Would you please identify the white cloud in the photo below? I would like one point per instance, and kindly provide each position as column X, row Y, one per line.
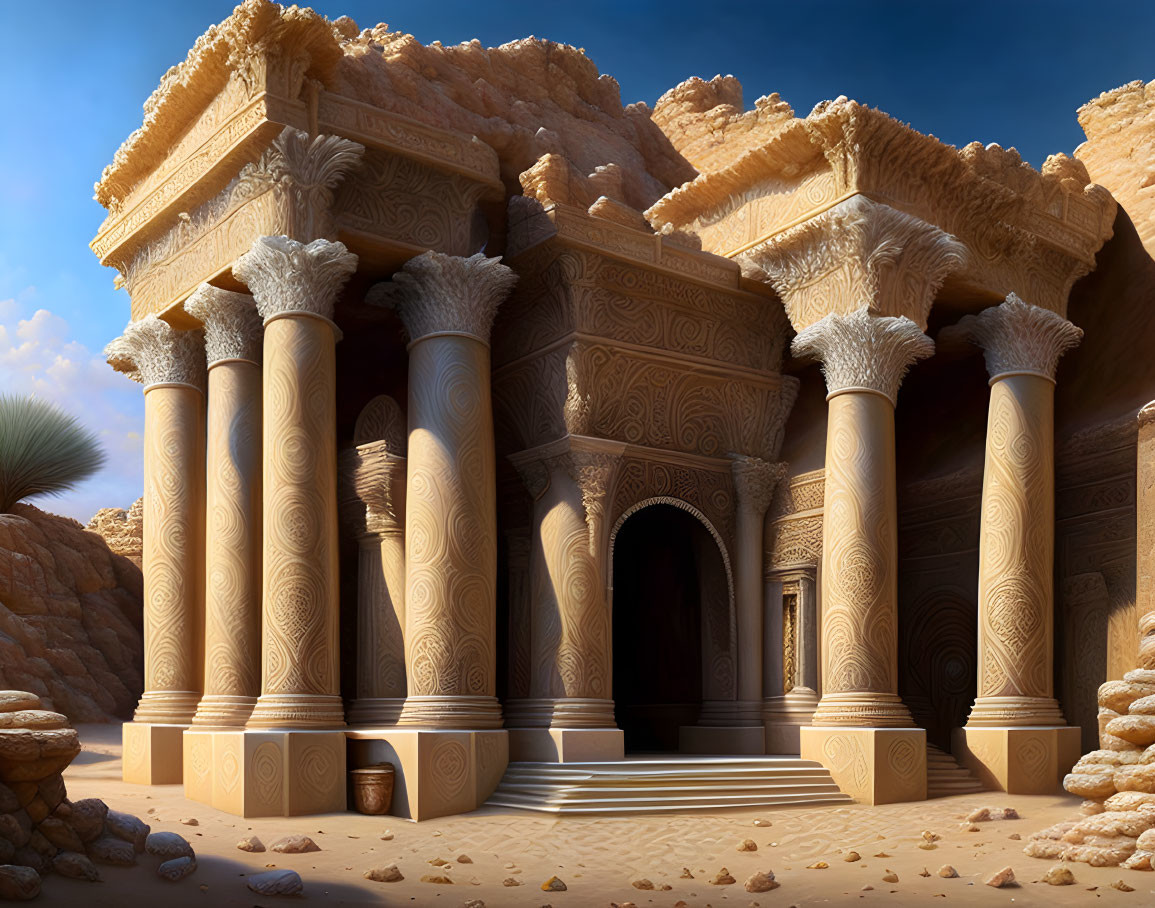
column 38, row 356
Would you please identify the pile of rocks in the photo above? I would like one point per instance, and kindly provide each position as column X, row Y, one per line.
column 1117, row 781
column 41, row 831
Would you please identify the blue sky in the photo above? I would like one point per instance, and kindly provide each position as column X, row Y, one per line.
column 75, row 75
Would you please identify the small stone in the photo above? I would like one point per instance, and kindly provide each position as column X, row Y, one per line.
column 18, row 884
column 389, row 874
column 1009, row 813
column 1122, row 887
column 929, row 836
column 474, row 903
column 817, row 865
column 510, row 881
column 387, row 836
column 642, row 884
column 852, row 856
column 747, row 845
column 190, row 821
column 1059, row 876
column 722, row 878
column 1004, row 877
column 665, row 887
column 686, row 875
column 111, row 850
column 438, row 862
column 177, row 869
column 763, row 823
column 867, row 888
column 968, row 827
column 979, row 815
column 168, row 845
column 761, row 882
column 1015, row 837
column 127, row 827
column 924, row 872
column 890, row 877
column 947, row 872
column 553, row 884
column 295, row 844
column 75, row 866
column 438, row 878
column 276, row 882
column 251, row 843
column 464, row 859
column 882, row 854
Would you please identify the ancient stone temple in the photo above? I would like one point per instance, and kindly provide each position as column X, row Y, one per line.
column 495, row 426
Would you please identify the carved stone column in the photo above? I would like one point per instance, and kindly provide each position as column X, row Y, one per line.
column 1022, row 345
column 295, row 286
column 233, row 337
column 792, row 606
column 170, row 364
column 569, row 715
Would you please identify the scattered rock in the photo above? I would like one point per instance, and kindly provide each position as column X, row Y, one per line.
column 251, row 843
column 190, row 821
column 747, row 845
column 75, row 867
column 1015, row 837
column 553, row 884
column 110, row 850
column 929, row 836
column 852, row 856
column 761, row 882
column 882, row 854
column 763, row 823
column 168, row 845
column 87, row 818
column 1122, row 887
column 1009, row 813
column 924, row 872
column 510, row 881
column 890, row 877
column 642, row 884
column 979, row 815
column 474, row 903
column 820, row 865
column 1059, row 876
column 177, row 869
column 438, row 862
column 968, row 827
column 127, row 827
column 276, row 882
column 867, row 888
column 1002, row 878
column 722, row 878
column 464, row 859
column 947, row 872
column 686, row 875
column 439, row 878
column 387, row 836
column 295, row 844
column 388, row 874
column 18, row 884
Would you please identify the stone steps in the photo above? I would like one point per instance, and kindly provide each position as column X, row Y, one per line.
column 945, row 776
column 668, row 784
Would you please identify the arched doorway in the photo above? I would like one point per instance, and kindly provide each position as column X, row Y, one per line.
column 672, row 629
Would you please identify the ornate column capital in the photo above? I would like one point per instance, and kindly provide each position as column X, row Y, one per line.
column 1017, row 337
column 152, row 352
column 232, row 326
column 859, row 351
column 287, row 276
column 445, row 294
column 754, row 481
column 858, row 253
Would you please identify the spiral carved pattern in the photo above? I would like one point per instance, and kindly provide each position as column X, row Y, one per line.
column 1016, row 548
column 173, row 534
column 233, row 507
column 299, row 590
column 381, row 617
column 450, row 521
column 859, row 547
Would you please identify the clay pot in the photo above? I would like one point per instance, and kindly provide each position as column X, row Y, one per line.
column 373, row 788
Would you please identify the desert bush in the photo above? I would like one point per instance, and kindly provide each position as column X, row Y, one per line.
column 43, row 450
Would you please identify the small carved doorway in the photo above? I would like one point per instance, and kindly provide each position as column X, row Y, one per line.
column 663, row 573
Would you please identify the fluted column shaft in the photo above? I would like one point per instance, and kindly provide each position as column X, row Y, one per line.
column 295, row 287
column 232, row 505
column 864, row 359
column 1022, row 344
column 447, row 305
column 170, row 364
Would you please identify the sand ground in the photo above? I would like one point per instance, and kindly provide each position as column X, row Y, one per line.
column 597, row 858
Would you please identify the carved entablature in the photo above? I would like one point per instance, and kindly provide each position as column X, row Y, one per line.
column 1024, row 230
column 794, row 528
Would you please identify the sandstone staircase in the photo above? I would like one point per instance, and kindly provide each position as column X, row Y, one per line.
column 946, row 776
column 665, row 783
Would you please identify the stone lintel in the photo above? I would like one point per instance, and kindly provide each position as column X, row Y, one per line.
column 1019, row 760
column 872, row 765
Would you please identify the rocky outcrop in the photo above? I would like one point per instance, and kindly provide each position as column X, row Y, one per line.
column 70, row 617
column 122, row 530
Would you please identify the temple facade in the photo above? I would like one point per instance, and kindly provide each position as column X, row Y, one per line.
column 490, row 422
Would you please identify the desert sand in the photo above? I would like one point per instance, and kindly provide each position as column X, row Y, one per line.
column 598, row 858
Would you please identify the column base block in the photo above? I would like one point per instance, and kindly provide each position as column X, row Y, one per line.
column 439, row 772
column 151, row 753
column 872, row 765
column 258, row 773
column 782, row 738
column 1019, row 759
column 722, row 739
column 566, row 745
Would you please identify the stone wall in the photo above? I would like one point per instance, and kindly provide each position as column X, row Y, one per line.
column 70, row 617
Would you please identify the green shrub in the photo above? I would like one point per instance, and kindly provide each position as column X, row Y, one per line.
column 43, row 450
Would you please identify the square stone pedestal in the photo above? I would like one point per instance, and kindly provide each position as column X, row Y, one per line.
column 872, row 765
column 151, row 753
column 782, row 738
column 254, row 773
column 438, row 772
column 566, row 745
column 722, row 739
column 1019, row 760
